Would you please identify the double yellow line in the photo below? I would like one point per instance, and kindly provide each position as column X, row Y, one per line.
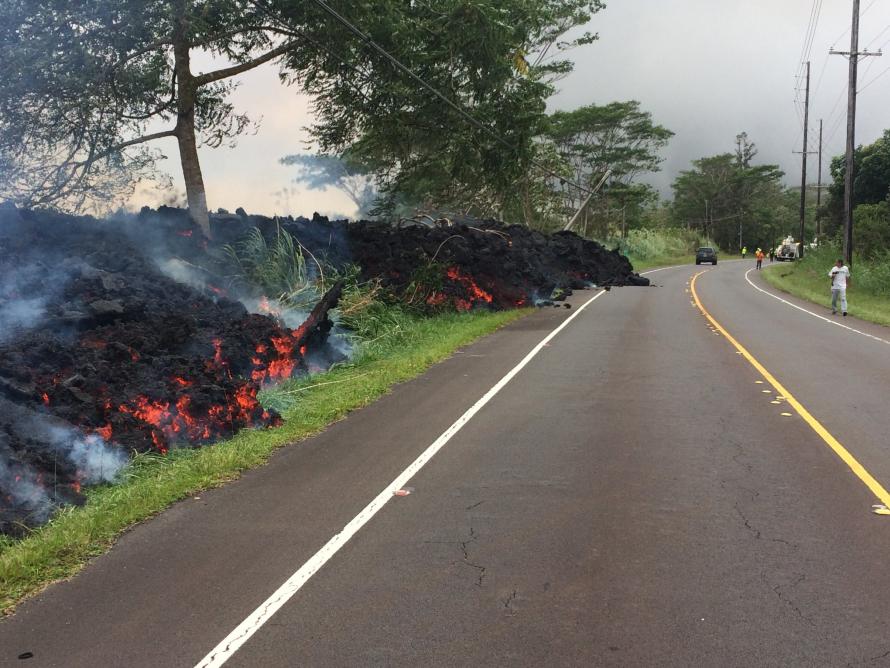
column 876, row 488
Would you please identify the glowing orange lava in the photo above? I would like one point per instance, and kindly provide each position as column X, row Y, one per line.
column 280, row 362
column 474, row 292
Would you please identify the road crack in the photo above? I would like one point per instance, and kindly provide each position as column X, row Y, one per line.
column 508, row 603
column 464, row 547
column 783, row 597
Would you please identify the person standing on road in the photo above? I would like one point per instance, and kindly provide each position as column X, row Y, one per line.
column 759, row 256
column 840, row 277
column 744, row 251
column 772, row 255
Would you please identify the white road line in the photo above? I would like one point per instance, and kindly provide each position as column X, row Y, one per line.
column 815, row 315
column 232, row 642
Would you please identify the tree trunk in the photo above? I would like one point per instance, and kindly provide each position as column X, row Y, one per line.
column 191, row 170
column 185, row 125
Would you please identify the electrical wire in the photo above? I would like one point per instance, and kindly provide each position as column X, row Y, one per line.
column 874, row 58
column 415, row 77
column 846, row 30
column 810, row 35
column 872, row 81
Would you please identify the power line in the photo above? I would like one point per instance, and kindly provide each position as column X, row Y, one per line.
column 408, row 71
column 846, row 30
column 872, row 63
column 810, row 33
column 877, row 37
column 873, row 80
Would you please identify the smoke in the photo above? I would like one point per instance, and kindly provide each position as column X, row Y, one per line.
column 95, row 460
column 21, row 486
column 182, row 272
column 44, row 461
column 17, row 312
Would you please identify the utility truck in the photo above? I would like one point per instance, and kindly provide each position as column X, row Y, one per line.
column 787, row 250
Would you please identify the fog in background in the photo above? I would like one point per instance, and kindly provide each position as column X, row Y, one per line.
column 706, row 69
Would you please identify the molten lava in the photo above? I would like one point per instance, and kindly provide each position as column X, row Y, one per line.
column 474, row 292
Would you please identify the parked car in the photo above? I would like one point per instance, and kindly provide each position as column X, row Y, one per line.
column 706, row 254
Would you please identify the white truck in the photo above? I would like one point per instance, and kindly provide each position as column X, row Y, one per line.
column 787, row 250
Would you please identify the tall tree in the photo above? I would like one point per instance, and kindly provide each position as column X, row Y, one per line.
column 495, row 59
column 870, row 186
column 85, row 86
column 724, row 192
column 617, row 136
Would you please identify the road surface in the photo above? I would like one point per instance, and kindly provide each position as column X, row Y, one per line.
column 632, row 496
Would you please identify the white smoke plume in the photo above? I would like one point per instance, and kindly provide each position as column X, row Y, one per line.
column 95, row 460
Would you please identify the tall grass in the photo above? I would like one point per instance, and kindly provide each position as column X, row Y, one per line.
column 808, row 278
column 874, row 275
column 654, row 244
column 870, row 276
column 278, row 268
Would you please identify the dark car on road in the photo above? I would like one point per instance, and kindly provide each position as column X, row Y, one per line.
column 706, row 254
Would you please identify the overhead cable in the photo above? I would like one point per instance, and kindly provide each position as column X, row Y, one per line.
column 419, row 80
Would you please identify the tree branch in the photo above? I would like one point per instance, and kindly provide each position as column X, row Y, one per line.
column 131, row 142
column 227, row 72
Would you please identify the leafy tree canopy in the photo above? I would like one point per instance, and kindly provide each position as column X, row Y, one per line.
column 871, row 181
column 723, row 191
column 84, row 86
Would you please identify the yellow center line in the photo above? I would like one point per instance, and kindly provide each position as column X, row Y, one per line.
column 876, row 488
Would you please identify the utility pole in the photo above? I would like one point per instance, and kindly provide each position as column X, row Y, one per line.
column 593, row 192
column 706, row 221
column 819, row 186
column 853, row 54
column 803, row 169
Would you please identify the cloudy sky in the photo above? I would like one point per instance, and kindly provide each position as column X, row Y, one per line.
column 706, row 69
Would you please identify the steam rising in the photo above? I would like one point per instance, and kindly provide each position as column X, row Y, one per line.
column 94, row 459
column 21, row 484
column 18, row 312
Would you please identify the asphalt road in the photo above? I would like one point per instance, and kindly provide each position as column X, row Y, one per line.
column 630, row 498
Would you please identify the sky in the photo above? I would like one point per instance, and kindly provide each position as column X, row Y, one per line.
column 706, row 69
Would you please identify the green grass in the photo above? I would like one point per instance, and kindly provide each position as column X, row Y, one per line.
column 808, row 279
column 661, row 247
column 405, row 347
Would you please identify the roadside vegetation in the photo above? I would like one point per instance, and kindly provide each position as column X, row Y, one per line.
column 869, row 291
column 393, row 345
column 648, row 248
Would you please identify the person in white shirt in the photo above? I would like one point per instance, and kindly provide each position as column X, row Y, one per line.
column 840, row 278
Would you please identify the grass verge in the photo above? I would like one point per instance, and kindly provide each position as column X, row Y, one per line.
column 808, row 280
column 408, row 346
